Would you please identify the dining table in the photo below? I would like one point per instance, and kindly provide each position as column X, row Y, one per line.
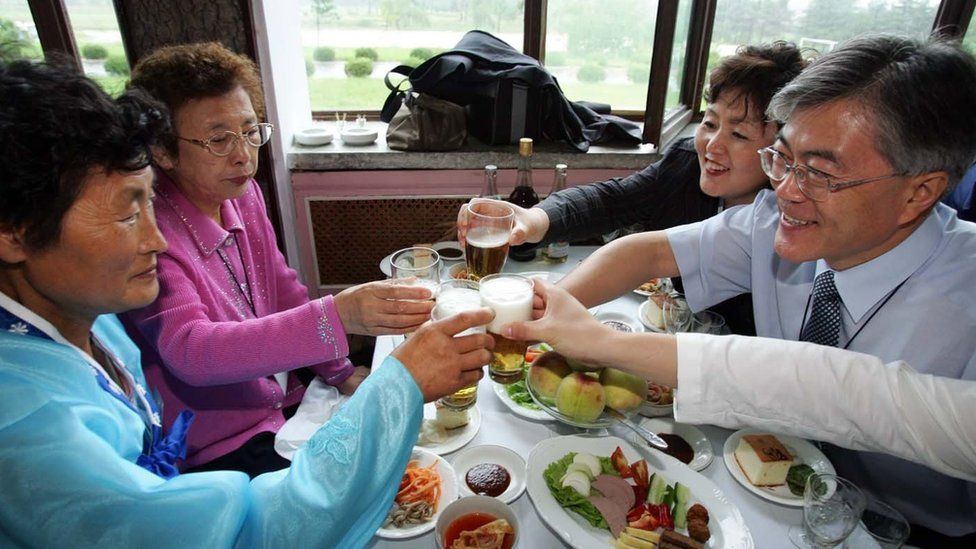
column 768, row 522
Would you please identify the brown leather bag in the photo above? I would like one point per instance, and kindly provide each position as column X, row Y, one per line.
column 426, row 123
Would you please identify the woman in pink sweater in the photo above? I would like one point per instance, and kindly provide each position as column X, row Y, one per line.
column 232, row 320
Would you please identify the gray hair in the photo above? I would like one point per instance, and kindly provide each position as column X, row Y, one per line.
column 922, row 96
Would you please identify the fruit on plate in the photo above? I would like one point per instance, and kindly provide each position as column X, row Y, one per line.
column 624, row 392
column 547, row 372
column 580, row 397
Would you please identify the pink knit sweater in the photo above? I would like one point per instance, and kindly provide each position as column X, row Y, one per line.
column 203, row 347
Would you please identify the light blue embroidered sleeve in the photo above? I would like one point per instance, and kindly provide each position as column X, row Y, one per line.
column 68, row 477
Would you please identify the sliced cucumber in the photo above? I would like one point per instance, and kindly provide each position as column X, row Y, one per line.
column 655, row 494
column 682, row 496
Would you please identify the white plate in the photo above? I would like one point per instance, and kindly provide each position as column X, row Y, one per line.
column 449, row 493
column 453, row 245
column 548, row 276
column 456, row 438
column 476, row 455
column 635, row 326
column 728, row 528
column 803, row 452
column 666, row 288
column 518, row 409
column 640, row 316
column 692, row 435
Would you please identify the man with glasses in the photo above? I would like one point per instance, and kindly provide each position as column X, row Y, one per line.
column 852, row 249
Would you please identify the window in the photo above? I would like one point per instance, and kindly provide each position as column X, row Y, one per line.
column 969, row 42
column 676, row 73
column 96, row 32
column 601, row 51
column 93, row 27
column 18, row 36
column 350, row 45
column 813, row 24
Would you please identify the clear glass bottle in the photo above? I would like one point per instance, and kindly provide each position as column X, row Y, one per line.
column 524, row 195
column 490, row 187
column 557, row 252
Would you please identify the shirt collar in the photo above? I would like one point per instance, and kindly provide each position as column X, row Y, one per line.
column 206, row 233
column 863, row 286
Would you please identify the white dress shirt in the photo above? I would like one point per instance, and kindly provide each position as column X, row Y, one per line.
column 828, row 394
column 915, row 304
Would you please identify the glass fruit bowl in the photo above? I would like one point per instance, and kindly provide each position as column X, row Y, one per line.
column 602, row 422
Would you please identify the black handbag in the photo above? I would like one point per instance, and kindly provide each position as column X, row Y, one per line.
column 419, row 121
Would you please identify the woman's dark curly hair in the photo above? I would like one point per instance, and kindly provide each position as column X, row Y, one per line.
column 755, row 73
column 56, row 126
column 178, row 74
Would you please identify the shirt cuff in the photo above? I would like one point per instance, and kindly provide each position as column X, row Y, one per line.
column 689, row 396
column 330, row 328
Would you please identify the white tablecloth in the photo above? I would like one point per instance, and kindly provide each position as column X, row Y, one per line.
column 768, row 522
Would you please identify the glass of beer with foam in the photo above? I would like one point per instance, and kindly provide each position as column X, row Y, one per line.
column 421, row 264
column 510, row 297
column 457, row 296
column 490, row 224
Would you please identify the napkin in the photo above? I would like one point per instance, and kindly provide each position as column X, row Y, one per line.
column 318, row 404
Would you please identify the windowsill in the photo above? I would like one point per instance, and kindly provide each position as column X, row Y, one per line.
column 474, row 155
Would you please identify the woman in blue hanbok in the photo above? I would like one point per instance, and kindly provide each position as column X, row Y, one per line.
column 84, row 460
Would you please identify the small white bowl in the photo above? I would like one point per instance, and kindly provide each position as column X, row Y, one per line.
column 474, row 504
column 450, row 246
column 314, row 136
column 358, row 136
column 488, row 453
column 620, row 318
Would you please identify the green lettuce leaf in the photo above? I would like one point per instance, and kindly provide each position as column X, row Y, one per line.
column 569, row 498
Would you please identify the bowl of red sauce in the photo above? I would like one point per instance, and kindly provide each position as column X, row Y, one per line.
column 478, row 516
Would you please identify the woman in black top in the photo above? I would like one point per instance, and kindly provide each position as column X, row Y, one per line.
column 696, row 178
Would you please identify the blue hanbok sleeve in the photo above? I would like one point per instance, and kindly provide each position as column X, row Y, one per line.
column 68, row 478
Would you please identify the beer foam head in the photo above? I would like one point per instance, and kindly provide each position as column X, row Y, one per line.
column 486, row 237
column 510, row 297
column 452, row 301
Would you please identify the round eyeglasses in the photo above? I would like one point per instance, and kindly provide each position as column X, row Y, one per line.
column 814, row 184
column 224, row 143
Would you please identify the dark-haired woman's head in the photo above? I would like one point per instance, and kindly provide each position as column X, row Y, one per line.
column 214, row 97
column 76, row 226
column 735, row 125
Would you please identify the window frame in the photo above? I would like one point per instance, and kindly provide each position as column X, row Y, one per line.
column 952, row 20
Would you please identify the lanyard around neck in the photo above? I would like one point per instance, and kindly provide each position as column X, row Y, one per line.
column 28, row 323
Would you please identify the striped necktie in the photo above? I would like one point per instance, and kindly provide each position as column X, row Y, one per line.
column 824, row 325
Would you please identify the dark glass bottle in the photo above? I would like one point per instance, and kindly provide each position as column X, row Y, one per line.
column 524, row 195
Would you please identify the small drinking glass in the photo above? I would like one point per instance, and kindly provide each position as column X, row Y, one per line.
column 676, row 314
column 710, row 322
column 881, row 526
column 457, row 296
column 832, row 508
column 490, row 225
column 423, row 265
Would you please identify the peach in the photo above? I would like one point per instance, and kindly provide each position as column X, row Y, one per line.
column 580, row 397
column 624, row 392
column 547, row 372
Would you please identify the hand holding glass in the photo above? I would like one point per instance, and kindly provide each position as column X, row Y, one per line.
column 510, row 296
column 457, row 296
column 490, row 225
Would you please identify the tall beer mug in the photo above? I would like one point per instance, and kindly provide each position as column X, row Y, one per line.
column 486, row 242
column 510, row 297
column 457, row 296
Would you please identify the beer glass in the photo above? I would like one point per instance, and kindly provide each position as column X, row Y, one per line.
column 486, row 242
column 456, row 296
column 510, row 297
column 421, row 264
